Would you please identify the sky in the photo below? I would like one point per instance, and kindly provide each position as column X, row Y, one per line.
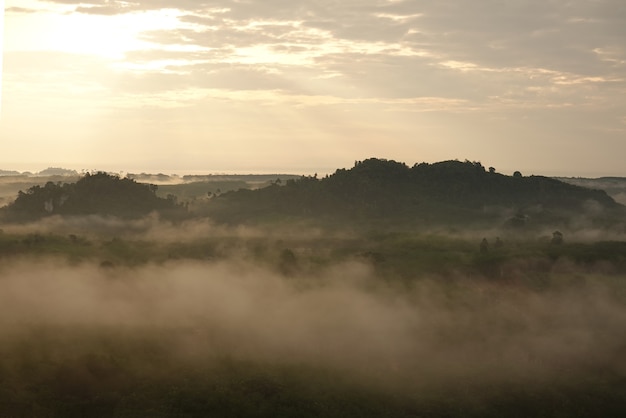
column 303, row 86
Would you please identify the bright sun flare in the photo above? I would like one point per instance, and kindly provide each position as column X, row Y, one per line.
column 106, row 36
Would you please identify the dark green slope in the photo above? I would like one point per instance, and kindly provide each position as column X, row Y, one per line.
column 375, row 190
column 451, row 192
column 93, row 194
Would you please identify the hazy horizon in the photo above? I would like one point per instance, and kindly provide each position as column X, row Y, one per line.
column 311, row 86
column 320, row 171
column 383, row 290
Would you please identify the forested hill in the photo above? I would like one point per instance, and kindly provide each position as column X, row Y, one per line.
column 446, row 192
column 99, row 193
column 449, row 192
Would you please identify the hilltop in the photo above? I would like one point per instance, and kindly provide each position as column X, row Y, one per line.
column 452, row 193
column 448, row 192
column 99, row 193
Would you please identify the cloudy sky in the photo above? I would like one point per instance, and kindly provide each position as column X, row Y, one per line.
column 307, row 86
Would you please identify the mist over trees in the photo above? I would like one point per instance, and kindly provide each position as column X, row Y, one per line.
column 379, row 290
column 448, row 192
column 374, row 190
column 99, row 193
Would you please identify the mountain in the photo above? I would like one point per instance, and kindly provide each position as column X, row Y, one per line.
column 100, row 193
column 57, row 171
column 448, row 192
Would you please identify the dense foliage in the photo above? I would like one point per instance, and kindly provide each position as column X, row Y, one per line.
column 450, row 192
column 98, row 193
column 370, row 316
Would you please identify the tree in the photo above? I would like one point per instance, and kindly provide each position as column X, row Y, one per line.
column 484, row 246
column 99, row 193
column 557, row 238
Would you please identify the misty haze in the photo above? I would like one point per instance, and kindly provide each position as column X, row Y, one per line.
column 312, row 208
column 442, row 289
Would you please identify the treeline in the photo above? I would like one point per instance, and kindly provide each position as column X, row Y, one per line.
column 449, row 191
column 374, row 190
column 99, row 193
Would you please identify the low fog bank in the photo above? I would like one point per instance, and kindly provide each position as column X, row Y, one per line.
column 153, row 228
column 430, row 333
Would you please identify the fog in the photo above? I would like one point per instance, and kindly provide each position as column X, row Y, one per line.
column 424, row 334
column 153, row 228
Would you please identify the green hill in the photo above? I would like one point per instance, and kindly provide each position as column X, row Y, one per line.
column 100, row 193
column 449, row 192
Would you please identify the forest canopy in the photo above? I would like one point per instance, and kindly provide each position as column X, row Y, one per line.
column 447, row 192
column 99, row 193
column 374, row 190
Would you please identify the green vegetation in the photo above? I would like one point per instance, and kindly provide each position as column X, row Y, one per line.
column 394, row 256
column 11, row 185
column 199, row 189
column 447, row 193
column 440, row 290
column 198, row 360
column 190, row 188
column 99, row 193
column 385, row 194
column 109, row 379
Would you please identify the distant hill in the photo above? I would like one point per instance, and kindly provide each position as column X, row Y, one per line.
column 196, row 187
column 153, row 178
column 98, row 193
column 48, row 172
column 448, row 192
column 248, row 178
column 57, row 171
column 613, row 186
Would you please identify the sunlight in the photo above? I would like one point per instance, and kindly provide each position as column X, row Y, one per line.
column 1, row 48
column 105, row 36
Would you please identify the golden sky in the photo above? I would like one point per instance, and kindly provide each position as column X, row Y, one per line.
column 305, row 86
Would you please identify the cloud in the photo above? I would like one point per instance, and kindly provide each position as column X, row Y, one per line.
column 20, row 10
column 579, row 41
column 103, row 10
column 504, row 61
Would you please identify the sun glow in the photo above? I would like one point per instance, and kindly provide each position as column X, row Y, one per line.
column 105, row 36
column 1, row 48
